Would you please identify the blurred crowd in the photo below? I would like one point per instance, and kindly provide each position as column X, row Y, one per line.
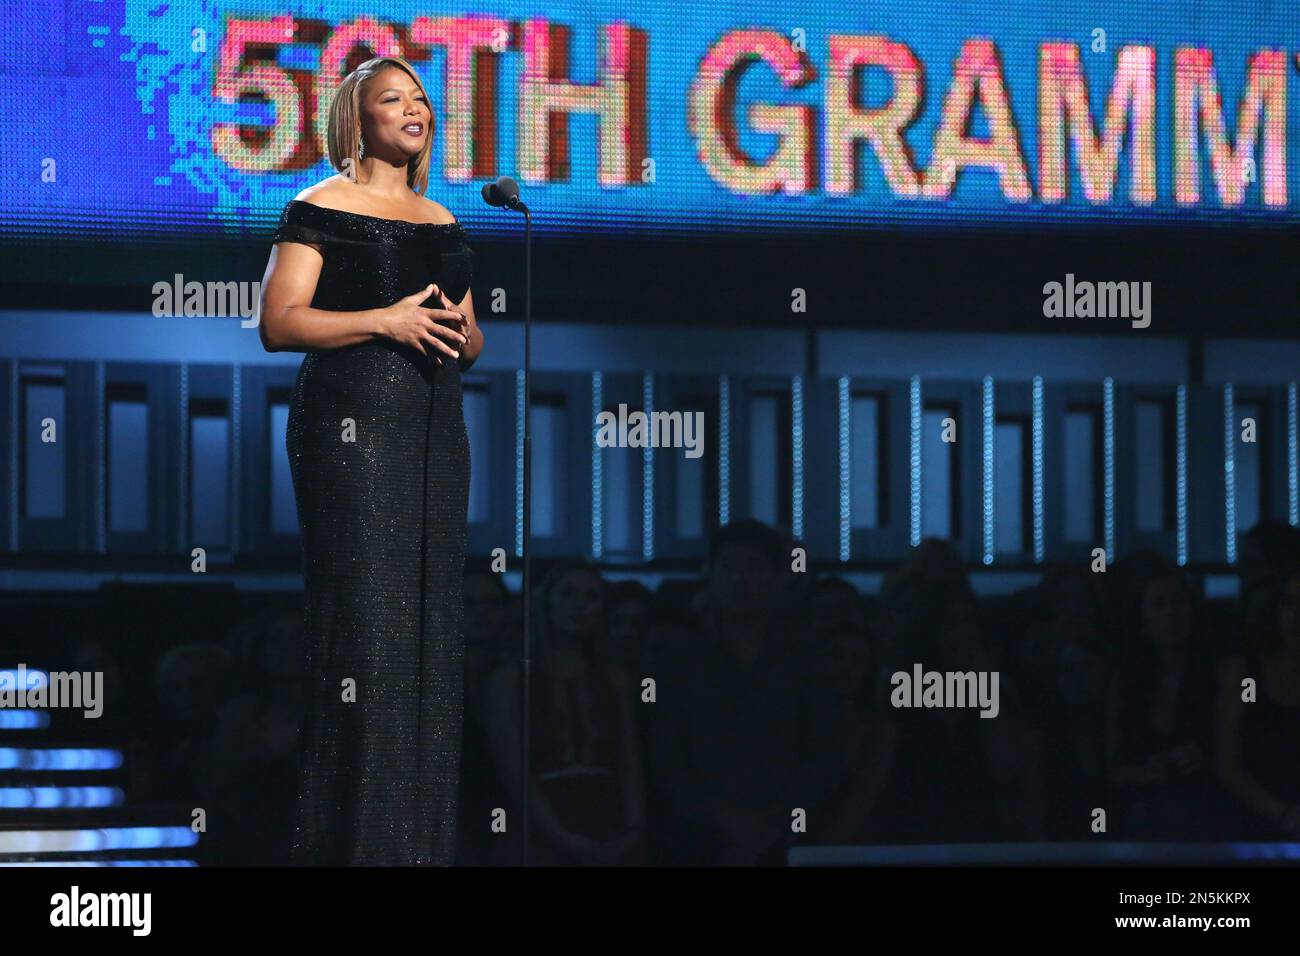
column 724, row 719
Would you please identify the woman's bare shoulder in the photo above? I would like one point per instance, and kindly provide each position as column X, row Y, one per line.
column 327, row 193
column 437, row 212
column 333, row 193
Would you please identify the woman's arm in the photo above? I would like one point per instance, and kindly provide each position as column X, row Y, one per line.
column 286, row 320
column 472, row 349
column 1227, row 745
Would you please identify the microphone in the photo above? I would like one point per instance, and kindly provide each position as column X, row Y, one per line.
column 503, row 192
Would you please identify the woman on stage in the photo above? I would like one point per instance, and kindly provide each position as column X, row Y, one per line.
column 372, row 281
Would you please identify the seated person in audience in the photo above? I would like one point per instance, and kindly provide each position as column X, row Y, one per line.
column 742, row 732
column 1257, row 720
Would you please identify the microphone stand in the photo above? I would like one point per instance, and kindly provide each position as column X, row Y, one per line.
column 528, row 502
column 505, row 192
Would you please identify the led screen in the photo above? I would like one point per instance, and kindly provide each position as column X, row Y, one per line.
column 147, row 116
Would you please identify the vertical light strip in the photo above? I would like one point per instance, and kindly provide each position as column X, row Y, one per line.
column 597, row 473
column 988, row 470
column 724, row 450
column 844, row 407
column 1037, row 452
column 519, row 463
column 14, row 437
column 101, row 458
column 1108, row 459
column 1229, row 477
column 1180, row 503
column 236, row 442
column 183, row 493
column 648, row 471
column 796, row 455
column 1292, row 457
column 915, row 460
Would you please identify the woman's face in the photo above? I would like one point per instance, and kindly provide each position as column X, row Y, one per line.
column 576, row 603
column 1167, row 612
column 395, row 116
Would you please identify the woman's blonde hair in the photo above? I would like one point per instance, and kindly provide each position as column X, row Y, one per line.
column 344, row 135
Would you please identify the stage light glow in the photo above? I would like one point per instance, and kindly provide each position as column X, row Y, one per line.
column 1108, row 466
column 1292, row 456
column 1037, row 476
column 796, row 455
column 23, row 719
column 95, row 840
column 597, row 473
column 914, row 460
column 648, row 474
column 724, row 450
column 844, row 409
column 519, row 463
column 59, row 758
column 1229, row 476
column 46, row 798
column 1181, row 464
column 987, row 450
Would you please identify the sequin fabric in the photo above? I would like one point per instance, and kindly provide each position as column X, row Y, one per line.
column 380, row 462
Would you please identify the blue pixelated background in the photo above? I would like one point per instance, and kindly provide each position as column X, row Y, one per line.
column 115, row 94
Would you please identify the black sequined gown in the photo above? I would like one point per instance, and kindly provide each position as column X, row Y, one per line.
column 380, row 462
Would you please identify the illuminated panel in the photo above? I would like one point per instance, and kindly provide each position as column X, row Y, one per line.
column 88, row 841
column 44, row 447
column 210, row 115
column 648, row 473
column 23, row 719
column 48, row 798
column 1229, row 477
column 22, row 758
column 597, row 475
column 914, row 461
column 843, row 411
column 1292, row 456
column 104, row 863
column 796, row 445
column 989, row 527
column 1037, row 453
column 724, row 450
column 1108, row 468
column 1249, row 465
column 519, row 463
column 1181, row 464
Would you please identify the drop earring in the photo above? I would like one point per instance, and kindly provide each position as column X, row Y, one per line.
column 361, row 147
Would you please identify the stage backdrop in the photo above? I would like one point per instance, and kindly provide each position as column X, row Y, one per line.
column 137, row 118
